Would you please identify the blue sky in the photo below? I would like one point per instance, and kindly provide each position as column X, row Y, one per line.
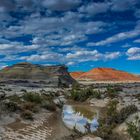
column 81, row 34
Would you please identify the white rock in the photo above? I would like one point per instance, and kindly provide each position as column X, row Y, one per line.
column 99, row 102
column 90, row 138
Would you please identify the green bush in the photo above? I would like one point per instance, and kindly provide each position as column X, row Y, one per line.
column 112, row 92
column 11, row 106
column 125, row 112
column 49, row 105
column 75, row 85
column 96, row 94
column 84, row 94
column 111, row 112
column 134, row 129
column 113, row 118
column 32, row 97
column 117, row 117
column 76, row 95
column 104, row 131
column 14, row 98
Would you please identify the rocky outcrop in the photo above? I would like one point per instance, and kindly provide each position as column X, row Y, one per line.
column 107, row 74
column 37, row 74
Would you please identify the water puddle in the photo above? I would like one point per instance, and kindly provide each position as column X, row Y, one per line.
column 81, row 118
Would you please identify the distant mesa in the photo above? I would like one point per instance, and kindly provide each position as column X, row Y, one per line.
column 105, row 74
column 31, row 73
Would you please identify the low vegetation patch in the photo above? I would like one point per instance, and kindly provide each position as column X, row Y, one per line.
column 137, row 96
column 112, row 91
column 23, row 90
column 15, row 98
column 113, row 118
column 83, row 94
column 125, row 112
column 49, row 105
column 32, row 97
column 27, row 104
column 134, row 128
column 10, row 106
column 27, row 115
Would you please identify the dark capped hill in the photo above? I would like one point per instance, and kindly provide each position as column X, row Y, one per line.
column 52, row 75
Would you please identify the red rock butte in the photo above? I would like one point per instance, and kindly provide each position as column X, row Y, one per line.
column 105, row 74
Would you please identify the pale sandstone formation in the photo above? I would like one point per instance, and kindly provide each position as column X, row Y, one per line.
column 90, row 138
column 99, row 102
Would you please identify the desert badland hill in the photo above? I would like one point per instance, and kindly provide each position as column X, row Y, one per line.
column 76, row 75
column 105, row 74
column 54, row 75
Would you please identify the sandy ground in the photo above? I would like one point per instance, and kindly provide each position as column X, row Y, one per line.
column 47, row 126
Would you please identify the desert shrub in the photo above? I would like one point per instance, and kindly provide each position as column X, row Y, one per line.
column 75, row 85
column 49, row 105
column 7, row 89
column 134, row 128
column 96, row 94
column 27, row 106
column 137, row 96
column 112, row 107
column 84, row 94
column 104, row 131
column 113, row 118
column 11, row 106
column 111, row 112
column 23, row 90
column 125, row 112
column 32, row 97
column 76, row 95
column 80, row 95
column 117, row 117
column 27, row 115
column 14, row 98
column 2, row 95
column 111, row 92
column 48, row 95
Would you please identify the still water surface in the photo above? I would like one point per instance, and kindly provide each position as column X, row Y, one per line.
column 75, row 116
